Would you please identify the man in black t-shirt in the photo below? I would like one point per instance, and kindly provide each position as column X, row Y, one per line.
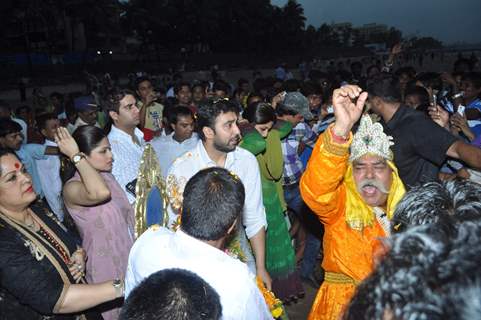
column 421, row 146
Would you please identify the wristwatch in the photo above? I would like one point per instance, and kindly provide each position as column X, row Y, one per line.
column 77, row 157
column 119, row 287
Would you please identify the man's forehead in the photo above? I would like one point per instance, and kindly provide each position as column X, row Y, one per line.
column 128, row 99
column 370, row 159
column 227, row 117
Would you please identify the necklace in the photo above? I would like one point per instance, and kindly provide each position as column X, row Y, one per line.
column 55, row 244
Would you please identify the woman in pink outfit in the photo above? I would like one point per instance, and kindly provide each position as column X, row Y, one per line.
column 98, row 206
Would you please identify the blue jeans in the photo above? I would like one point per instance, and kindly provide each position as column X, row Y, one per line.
column 294, row 201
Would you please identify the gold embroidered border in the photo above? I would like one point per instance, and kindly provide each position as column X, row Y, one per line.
column 335, row 148
column 50, row 257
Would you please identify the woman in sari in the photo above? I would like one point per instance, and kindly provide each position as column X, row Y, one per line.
column 41, row 265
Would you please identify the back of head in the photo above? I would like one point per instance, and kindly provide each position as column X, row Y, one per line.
column 213, row 200
column 427, row 274
column 419, row 92
column 428, row 203
column 259, row 113
column 172, row 294
column 210, row 110
column 385, row 89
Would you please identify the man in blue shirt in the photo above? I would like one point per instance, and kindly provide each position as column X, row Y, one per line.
column 11, row 137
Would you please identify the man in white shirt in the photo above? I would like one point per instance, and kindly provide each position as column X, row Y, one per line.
column 126, row 140
column 49, row 168
column 212, row 205
column 183, row 139
column 87, row 112
column 219, row 134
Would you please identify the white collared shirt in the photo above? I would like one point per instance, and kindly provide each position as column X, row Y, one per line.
column 163, row 249
column 127, row 156
column 49, row 176
column 168, row 149
column 243, row 164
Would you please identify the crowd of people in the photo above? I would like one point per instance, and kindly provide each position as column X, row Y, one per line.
column 363, row 184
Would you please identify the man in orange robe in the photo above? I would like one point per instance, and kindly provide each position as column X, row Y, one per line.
column 352, row 185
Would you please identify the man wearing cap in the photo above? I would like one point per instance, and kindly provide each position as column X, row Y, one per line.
column 353, row 186
column 295, row 109
column 87, row 112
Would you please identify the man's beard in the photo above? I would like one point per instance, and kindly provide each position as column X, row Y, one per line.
column 226, row 147
column 372, row 183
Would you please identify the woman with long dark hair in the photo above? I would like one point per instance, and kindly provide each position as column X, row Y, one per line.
column 97, row 204
column 263, row 139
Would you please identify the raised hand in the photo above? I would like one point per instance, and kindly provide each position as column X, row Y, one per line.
column 66, row 143
column 347, row 109
column 439, row 115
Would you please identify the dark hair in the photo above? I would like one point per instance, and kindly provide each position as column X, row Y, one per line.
column 200, row 84
column 113, row 97
column 457, row 66
column 372, row 66
column 428, row 270
column 111, row 102
column 8, row 126
column 213, row 200
column 259, row 113
column 221, row 85
column 139, row 80
column 291, row 85
column 42, row 119
column 420, row 92
column 384, row 88
column 172, row 294
column 178, row 86
column 432, row 201
column 19, row 109
column 241, row 81
column 474, row 77
column 209, row 111
column 310, row 87
column 409, row 71
column 57, row 95
column 5, row 152
column 87, row 138
column 173, row 114
column 430, row 80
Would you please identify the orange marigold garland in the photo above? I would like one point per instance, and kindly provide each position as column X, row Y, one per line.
column 274, row 304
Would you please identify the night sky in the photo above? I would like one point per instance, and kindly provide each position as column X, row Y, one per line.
column 447, row 20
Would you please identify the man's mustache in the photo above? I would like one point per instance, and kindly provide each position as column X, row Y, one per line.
column 372, row 183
